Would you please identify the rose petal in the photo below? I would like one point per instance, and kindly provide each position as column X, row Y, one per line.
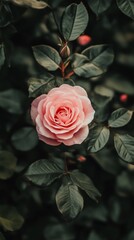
column 34, row 106
column 88, row 110
column 49, row 141
column 81, row 91
column 78, row 137
column 41, row 129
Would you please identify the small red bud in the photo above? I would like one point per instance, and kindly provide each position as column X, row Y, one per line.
column 84, row 40
column 81, row 158
column 123, row 98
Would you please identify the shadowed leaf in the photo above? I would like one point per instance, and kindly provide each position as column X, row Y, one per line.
column 124, row 145
column 10, row 219
column 24, row 139
column 127, row 7
column 2, row 56
column 7, row 164
column 31, row 3
column 85, row 183
column 13, row 101
column 68, row 199
column 99, row 6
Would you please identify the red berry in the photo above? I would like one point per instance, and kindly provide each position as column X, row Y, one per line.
column 123, row 98
column 84, row 40
column 81, row 158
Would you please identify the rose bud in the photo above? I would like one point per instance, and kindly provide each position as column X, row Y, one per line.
column 123, row 98
column 62, row 115
column 65, row 51
column 84, row 40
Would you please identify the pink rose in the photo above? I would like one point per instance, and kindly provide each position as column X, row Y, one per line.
column 62, row 115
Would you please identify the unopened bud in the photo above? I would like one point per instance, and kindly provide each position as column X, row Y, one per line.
column 65, row 51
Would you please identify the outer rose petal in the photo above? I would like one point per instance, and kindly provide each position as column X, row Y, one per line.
column 49, row 141
column 43, row 130
column 88, row 110
column 81, row 91
column 78, row 137
column 34, row 106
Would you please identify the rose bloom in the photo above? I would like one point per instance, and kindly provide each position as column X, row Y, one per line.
column 62, row 115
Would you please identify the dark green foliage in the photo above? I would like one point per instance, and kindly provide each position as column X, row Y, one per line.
column 12, row 101
column 2, row 56
column 10, row 219
column 19, row 139
column 7, row 164
column 2, row 237
column 99, row 6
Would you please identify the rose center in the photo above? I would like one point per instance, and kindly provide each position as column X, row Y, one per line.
column 62, row 115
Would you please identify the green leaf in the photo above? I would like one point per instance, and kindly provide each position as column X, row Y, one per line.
column 1, row 236
column 10, row 219
column 47, row 57
column 7, row 164
column 31, row 3
column 83, row 68
column 25, row 139
column 85, row 183
column 100, row 55
column 124, row 145
column 74, row 21
column 6, row 16
column 13, row 101
column 88, row 70
column 43, row 172
column 127, row 7
column 98, row 137
column 99, row 6
column 120, row 117
column 68, row 199
column 40, row 86
column 2, row 56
